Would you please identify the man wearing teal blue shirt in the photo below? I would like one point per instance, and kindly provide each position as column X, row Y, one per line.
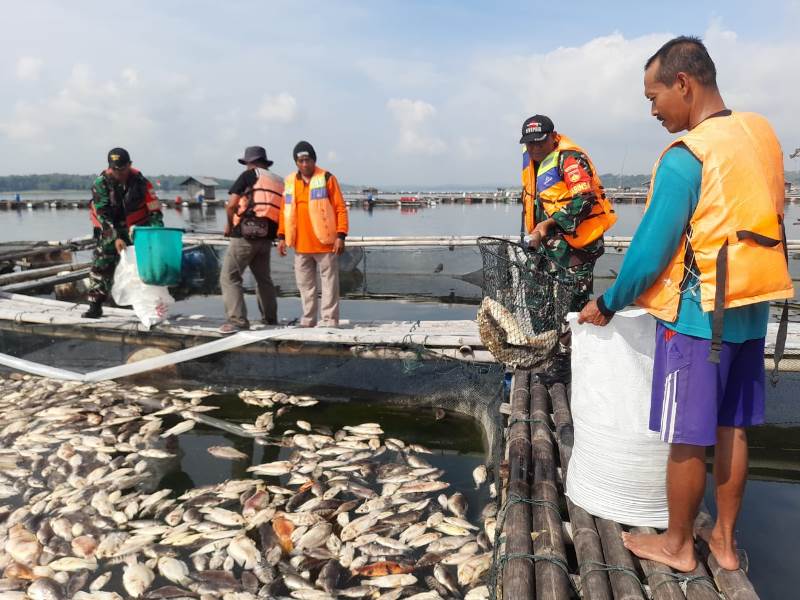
column 706, row 390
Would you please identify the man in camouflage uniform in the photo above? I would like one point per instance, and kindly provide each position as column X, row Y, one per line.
column 563, row 199
column 121, row 199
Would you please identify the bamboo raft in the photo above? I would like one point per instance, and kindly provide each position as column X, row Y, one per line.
column 555, row 549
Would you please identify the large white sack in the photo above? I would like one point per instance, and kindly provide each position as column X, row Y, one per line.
column 618, row 466
column 150, row 302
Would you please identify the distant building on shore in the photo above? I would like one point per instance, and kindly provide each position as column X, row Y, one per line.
column 205, row 187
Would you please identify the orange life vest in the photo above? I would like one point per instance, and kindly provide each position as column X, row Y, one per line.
column 547, row 186
column 150, row 203
column 320, row 208
column 736, row 231
column 264, row 198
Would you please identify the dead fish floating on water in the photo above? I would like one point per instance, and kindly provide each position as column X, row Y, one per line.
column 479, row 475
column 353, row 515
column 227, row 452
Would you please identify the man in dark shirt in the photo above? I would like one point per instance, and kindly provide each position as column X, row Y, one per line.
column 252, row 224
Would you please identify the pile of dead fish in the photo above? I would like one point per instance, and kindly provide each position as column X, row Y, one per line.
column 345, row 514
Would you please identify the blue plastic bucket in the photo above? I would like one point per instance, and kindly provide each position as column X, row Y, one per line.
column 159, row 251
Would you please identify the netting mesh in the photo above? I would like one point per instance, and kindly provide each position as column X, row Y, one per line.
column 526, row 299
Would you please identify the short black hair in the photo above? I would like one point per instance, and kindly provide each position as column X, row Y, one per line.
column 685, row 54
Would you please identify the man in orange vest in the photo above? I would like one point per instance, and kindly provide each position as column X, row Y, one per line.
column 705, row 260
column 121, row 198
column 313, row 221
column 253, row 208
column 565, row 208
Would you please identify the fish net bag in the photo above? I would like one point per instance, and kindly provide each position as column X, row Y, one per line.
column 526, row 298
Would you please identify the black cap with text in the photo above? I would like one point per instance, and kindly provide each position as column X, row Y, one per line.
column 536, row 129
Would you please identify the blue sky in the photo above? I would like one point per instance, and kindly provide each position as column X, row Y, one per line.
column 416, row 93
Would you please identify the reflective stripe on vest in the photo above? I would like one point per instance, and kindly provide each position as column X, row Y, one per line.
column 549, row 189
column 264, row 199
column 736, row 229
column 320, row 209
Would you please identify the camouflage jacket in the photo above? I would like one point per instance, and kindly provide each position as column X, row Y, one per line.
column 113, row 202
column 568, row 218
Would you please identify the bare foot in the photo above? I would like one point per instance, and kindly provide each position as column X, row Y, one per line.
column 724, row 550
column 654, row 547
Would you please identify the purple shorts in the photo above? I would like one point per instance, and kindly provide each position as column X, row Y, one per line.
column 692, row 397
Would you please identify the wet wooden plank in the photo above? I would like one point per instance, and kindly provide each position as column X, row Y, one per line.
column 659, row 576
column 518, row 574
column 734, row 584
column 624, row 585
column 595, row 584
column 552, row 582
column 50, row 281
column 562, row 421
column 698, row 590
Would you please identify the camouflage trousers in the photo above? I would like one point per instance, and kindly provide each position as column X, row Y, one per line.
column 584, row 284
column 101, row 275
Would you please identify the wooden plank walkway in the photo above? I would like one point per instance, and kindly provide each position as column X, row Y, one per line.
column 378, row 339
column 455, row 339
column 572, row 552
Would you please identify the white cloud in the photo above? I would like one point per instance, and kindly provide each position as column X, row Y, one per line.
column 413, row 118
column 29, row 68
column 332, row 156
column 280, row 108
column 398, row 73
column 594, row 93
column 460, row 99
column 130, row 76
column 471, row 148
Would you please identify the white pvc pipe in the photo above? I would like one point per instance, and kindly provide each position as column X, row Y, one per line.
column 243, row 338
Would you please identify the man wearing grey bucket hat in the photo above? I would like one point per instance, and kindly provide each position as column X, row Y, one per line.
column 252, row 224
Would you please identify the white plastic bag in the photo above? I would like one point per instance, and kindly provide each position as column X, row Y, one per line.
column 149, row 302
column 618, row 466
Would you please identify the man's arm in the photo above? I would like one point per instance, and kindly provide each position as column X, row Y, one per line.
column 577, row 174
column 676, row 190
column 340, row 208
column 239, row 189
column 101, row 200
column 230, row 209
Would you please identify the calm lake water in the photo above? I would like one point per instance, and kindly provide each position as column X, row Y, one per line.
column 435, row 280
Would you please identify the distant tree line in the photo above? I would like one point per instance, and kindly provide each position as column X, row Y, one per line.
column 64, row 181
column 638, row 181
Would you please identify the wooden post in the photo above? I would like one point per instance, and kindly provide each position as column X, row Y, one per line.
column 24, row 286
column 624, row 585
column 562, row 420
column 552, row 582
column 734, row 584
column 700, row 591
column 28, row 274
column 594, row 583
column 662, row 586
column 518, row 579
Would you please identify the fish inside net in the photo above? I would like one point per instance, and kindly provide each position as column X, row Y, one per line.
column 527, row 296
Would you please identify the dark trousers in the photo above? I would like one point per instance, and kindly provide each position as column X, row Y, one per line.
column 242, row 254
